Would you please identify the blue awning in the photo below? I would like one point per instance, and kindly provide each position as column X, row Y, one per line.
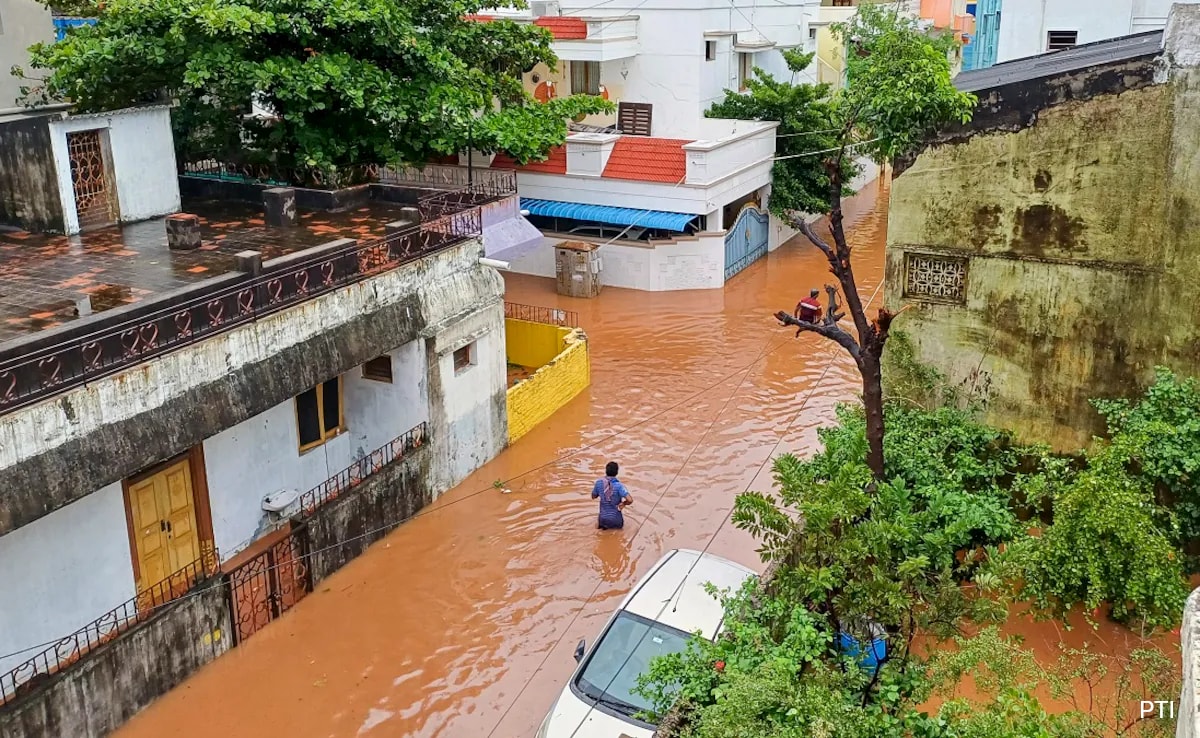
column 610, row 215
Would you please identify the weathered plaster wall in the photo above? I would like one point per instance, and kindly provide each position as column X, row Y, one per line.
column 356, row 520
column 28, row 181
column 468, row 414
column 1187, row 717
column 60, row 450
column 61, row 572
column 96, row 696
column 261, row 455
column 1077, row 212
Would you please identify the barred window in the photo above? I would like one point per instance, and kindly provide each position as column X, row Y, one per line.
column 930, row 277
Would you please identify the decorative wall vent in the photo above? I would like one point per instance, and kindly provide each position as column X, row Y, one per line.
column 935, row 278
column 633, row 119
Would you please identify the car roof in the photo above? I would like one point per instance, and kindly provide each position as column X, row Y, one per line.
column 680, row 577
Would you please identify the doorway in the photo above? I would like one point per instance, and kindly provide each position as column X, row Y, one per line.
column 91, row 180
column 170, row 528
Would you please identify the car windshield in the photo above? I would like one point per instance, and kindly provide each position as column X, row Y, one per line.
column 623, row 653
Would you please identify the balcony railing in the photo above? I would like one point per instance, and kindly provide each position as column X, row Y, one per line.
column 353, row 475
column 43, row 373
column 440, row 204
column 539, row 314
column 70, row 649
column 444, row 176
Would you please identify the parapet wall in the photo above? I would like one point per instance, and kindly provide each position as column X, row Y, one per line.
column 564, row 370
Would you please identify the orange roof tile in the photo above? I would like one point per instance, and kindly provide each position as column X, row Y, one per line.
column 647, row 159
column 556, row 163
column 563, row 27
column 480, row 18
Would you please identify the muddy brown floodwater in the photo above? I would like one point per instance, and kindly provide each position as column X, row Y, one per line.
column 462, row 622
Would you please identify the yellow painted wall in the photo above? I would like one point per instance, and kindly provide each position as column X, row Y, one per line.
column 532, row 344
column 561, row 376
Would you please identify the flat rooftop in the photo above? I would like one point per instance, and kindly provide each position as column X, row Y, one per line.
column 42, row 277
column 1124, row 48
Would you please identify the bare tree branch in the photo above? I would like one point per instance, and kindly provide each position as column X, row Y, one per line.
column 832, row 331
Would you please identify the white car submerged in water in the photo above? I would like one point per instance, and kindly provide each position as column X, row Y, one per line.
column 657, row 617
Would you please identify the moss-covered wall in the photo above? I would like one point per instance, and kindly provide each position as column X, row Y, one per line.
column 1082, row 232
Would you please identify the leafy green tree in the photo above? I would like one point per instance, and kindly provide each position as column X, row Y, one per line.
column 1109, row 543
column 1160, row 437
column 349, row 82
column 899, row 90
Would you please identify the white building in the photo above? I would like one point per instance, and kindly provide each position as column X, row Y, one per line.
column 66, row 173
column 23, row 23
column 135, row 442
column 1029, row 27
column 684, row 196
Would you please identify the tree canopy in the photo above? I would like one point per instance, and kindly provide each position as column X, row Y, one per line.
column 898, row 90
column 349, row 81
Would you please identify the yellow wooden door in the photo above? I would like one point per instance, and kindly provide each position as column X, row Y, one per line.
column 149, row 532
column 178, row 503
column 163, row 507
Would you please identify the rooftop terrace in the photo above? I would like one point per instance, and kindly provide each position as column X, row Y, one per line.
column 146, row 299
column 42, row 277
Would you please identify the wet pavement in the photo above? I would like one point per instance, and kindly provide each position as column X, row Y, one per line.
column 41, row 276
column 463, row 621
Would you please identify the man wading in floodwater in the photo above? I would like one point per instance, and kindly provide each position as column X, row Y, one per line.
column 613, row 497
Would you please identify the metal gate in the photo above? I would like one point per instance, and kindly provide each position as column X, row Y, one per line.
column 95, row 196
column 269, row 584
column 746, row 241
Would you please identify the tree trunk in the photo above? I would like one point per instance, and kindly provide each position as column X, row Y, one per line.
column 872, row 377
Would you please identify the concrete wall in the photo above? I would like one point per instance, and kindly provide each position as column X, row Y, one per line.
column 23, row 23
column 143, row 161
column 62, row 572
column 556, row 382
column 29, row 196
column 686, row 264
column 1188, row 718
column 1025, row 23
column 95, row 696
column 261, row 455
column 468, row 420
column 393, row 494
column 1081, row 231
column 60, row 450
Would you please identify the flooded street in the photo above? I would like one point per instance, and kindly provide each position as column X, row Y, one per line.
column 462, row 622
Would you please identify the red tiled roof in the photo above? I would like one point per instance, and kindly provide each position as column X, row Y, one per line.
column 556, row 163
column 563, row 27
column 480, row 18
column 647, row 159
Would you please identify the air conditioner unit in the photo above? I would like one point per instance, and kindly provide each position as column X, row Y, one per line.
column 539, row 8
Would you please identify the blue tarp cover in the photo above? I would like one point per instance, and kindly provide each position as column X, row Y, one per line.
column 609, row 215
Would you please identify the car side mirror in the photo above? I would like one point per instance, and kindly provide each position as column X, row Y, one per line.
column 580, row 648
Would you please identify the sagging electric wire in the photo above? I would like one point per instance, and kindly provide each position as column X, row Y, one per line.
column 713, row 537
column 767, row 349
column 438, row 508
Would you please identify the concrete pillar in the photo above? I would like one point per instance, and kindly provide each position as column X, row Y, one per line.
column 183, row 232
column 715, row 220
column 280, row 206
column 249, row 262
